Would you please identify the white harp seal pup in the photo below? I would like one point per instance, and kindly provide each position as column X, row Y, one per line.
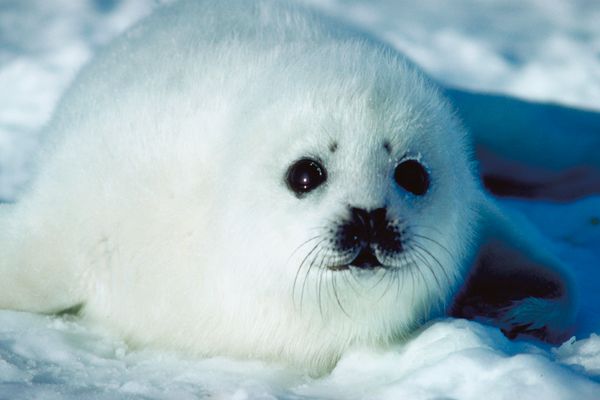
column 252, row 179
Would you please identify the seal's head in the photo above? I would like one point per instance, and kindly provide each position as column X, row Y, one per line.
column 348, row 198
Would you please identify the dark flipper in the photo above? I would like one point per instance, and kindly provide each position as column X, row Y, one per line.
column 515, row 284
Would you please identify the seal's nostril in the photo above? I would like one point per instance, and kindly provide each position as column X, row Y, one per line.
column 369, row 221
column 360, row 217
column 378, row 218
column 351, row 235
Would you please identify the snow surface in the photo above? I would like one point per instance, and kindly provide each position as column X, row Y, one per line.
column 544, row 50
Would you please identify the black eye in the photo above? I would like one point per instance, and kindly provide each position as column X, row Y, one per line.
column 305, row 175
column 412, row 176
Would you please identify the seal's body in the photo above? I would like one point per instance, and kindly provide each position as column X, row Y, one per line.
column 254, row 180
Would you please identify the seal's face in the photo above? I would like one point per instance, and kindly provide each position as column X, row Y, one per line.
column 355, row 191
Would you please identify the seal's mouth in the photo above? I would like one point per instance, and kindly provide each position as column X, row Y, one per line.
column 365, row 259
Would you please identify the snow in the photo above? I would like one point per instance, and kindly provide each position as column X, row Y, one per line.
column 542, row 50
column 47, row 357
column 42, row 46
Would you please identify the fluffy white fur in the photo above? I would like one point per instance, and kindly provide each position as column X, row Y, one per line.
column 161, row 205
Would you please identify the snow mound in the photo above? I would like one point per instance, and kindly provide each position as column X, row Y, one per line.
column 55, row 357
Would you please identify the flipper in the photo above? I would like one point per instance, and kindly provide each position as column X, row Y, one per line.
column 515, row 283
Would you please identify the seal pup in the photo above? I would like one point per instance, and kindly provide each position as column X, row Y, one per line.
column 252, row 179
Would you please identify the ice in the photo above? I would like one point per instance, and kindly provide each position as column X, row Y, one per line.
column 58, row 358
column 542, row 50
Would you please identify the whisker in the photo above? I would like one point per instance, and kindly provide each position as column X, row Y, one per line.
column 428, row 227
column 317, row 246
column 396, row 274
column 424, row 249
column 422, row 278
column 428, row 265
column 389, row 282
column 441, row 246
column 302, row 245
column 322, row 271
column 399, row 277
column 350, row 284
column 383, row 275
column 412, row 277
column 301, row 265
column 337, row 297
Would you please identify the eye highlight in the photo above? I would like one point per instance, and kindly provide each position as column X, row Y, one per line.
column 412, row 176
column 305, row 175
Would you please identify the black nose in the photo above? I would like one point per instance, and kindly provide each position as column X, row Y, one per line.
column 365, row 228
column 368, row 231
column 368, row 223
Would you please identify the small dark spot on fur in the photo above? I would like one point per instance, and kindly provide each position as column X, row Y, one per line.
column 387, row 146
column 333, row 147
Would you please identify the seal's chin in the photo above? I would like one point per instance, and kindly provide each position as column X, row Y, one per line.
column 365, row 259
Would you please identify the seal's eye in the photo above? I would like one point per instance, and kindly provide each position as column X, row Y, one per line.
column 305, row 175
column 412, row 176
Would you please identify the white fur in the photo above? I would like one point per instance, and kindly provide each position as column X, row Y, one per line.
column 161, row 203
